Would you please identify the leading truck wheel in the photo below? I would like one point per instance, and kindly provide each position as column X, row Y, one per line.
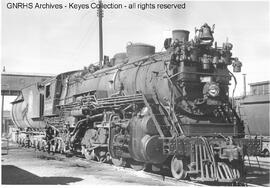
column 178, row 168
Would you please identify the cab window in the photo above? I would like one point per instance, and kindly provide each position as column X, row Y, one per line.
column 48, row 91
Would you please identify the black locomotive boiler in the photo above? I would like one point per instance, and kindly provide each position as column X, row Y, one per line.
column 168, row 109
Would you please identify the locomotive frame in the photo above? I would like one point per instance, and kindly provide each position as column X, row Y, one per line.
column 165, row 110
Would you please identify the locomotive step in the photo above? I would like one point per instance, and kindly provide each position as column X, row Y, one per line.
column 193, row 172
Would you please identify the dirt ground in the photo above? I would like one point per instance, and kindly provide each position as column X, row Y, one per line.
column 258, row 171
column 25, row 166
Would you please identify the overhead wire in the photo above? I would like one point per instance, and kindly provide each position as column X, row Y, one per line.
column 91, row 29
column 89, row 33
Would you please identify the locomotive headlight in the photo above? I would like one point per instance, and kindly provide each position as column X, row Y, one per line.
column 213, row 90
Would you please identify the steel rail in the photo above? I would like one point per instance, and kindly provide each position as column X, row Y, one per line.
column 158, row 177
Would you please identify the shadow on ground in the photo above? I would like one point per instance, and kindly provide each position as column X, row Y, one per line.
column 259, row 176
column 13, row 175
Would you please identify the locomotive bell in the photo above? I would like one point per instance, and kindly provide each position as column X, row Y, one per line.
column 205, row 33
column 181, row 35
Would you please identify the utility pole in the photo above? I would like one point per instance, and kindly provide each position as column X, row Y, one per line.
column 2, row 113
column 100, row 16
column 245, row 90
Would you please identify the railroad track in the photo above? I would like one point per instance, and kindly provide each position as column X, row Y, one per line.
column 254, row 163
column 159, row 177
column 150, row 175
column 145, row 174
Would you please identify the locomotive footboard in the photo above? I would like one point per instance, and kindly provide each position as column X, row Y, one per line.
column 209, row 159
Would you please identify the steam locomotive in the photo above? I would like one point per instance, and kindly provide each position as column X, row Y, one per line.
column 165, row 110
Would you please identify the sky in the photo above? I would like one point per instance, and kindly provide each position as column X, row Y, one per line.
column 55, row 41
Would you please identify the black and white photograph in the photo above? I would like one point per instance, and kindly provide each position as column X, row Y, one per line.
column 135, row 93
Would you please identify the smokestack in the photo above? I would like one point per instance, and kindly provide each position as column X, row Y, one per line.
column 181, row 35
column 245, row 89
